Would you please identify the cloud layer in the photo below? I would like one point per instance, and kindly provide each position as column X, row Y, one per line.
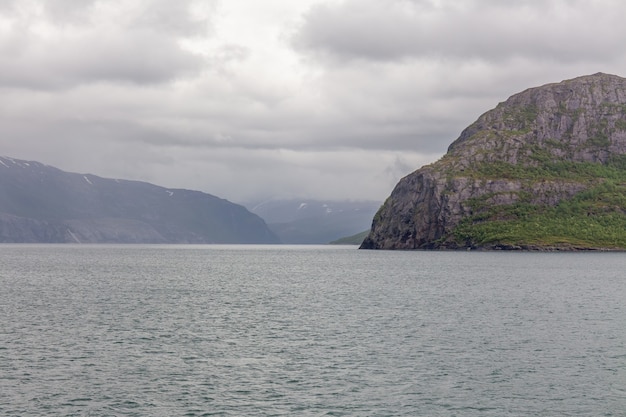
column 318, row 98
column 488, row 30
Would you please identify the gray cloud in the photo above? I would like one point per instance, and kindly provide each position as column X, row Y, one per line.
column 472, row 29
column 415, row 73
column 67, row 43
column 173, row 17
column 112, row 58
column 337, row 101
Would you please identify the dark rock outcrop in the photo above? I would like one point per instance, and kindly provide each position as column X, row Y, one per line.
column 42, row 204
column 539, row 148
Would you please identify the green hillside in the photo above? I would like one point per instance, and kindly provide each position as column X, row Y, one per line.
column 595, row 217
column 351, row 240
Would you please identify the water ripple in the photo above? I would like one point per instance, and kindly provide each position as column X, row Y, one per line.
column 232, row 331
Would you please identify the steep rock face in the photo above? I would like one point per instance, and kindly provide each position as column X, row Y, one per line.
column 522, row 162
column 39, row 203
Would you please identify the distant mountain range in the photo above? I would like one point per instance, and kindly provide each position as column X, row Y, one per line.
column 307, row 221
column 40, row 203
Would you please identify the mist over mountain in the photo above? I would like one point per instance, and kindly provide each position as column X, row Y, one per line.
column 309, row 221
column 40, row 203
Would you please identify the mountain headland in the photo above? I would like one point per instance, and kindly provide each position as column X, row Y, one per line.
column 42, row 204
column 544, row 170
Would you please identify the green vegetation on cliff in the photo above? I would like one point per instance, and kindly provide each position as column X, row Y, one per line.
column 351, row 240
column 595, row 218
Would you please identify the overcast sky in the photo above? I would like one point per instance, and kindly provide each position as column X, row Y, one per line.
column 248, row 99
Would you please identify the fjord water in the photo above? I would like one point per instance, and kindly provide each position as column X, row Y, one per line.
column 309, row 331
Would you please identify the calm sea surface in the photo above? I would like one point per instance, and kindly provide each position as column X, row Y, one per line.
column 309, row 331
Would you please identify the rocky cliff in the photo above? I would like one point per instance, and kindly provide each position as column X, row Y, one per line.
column 544, row 169
column 40, row 203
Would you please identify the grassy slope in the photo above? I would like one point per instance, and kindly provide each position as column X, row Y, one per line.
column 594, row 218
column 351, row 240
